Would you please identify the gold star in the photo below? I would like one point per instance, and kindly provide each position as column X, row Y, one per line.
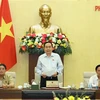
column 5, row 29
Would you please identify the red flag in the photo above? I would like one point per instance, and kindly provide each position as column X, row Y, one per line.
column 7, row 40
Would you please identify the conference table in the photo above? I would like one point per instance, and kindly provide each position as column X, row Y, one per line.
column 44, row 94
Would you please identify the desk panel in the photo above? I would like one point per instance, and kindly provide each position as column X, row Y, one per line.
column 10, row 94
column 47, row 94
column 97, row 94
column 43, row 94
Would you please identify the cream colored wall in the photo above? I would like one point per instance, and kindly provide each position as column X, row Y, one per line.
column 78, row 20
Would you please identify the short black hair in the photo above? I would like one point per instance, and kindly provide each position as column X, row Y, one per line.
column 48, row 42
column 3, row 65
column 97, row 67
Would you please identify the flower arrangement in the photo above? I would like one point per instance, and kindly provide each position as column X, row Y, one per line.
column 70, row 97
column 33, row 43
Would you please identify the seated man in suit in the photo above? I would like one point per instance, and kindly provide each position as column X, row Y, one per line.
column 49, row 65
column 94, row 80
column 6, row 81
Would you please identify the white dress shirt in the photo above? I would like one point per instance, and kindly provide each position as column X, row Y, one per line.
column 49, row 65
column 93, row 81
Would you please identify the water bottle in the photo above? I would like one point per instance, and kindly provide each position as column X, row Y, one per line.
column 81, row 85
column 90, row 86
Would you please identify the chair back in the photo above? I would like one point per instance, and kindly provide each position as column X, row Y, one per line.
column 37, row 77
column 60, row 79
column 86, row 77
column 13, row 74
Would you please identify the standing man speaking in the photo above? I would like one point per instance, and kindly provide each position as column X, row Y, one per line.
column 49, row 65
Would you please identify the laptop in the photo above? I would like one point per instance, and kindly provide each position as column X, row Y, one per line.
column 52, row 84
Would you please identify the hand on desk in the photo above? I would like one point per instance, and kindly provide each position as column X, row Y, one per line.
column 5, row 86
column 8, row 86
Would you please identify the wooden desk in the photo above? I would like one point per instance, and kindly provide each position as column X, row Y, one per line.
column 43, row 94
column 97, row 94
column 10, row 94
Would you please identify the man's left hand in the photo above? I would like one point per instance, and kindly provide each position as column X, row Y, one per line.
column 55, row 74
